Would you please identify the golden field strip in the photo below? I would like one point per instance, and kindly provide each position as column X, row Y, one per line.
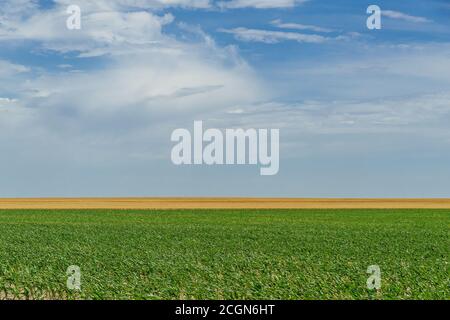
column 220, row 203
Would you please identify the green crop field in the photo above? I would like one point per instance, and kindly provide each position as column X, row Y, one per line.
column 225, row 254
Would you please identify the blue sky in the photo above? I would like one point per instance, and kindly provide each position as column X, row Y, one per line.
column 362, row 113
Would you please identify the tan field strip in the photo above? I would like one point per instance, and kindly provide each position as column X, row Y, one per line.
column 221, row 203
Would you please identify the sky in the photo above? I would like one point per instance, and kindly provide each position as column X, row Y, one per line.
column 90, row 112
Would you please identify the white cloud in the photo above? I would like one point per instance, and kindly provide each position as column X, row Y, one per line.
column 123, row 5
column 166, row 3
column 104, row 29
column 296, row 26
column 267, row 36
column 108, row 27
column 404, row 16
column 17, row 7
column 402, row 114
column 4, row 101
column 151, row 83
column 8, row 69
column 124, row 106
column 260, row 4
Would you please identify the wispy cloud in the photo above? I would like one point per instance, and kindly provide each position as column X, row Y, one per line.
column 401, row 114
column 106, row 30
column 259, row 4
column 271, row 37
column 9, row 69
column 7, row 100
column 403, row 16
column 296, row 26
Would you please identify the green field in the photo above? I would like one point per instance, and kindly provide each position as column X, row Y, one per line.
column 225, row 254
